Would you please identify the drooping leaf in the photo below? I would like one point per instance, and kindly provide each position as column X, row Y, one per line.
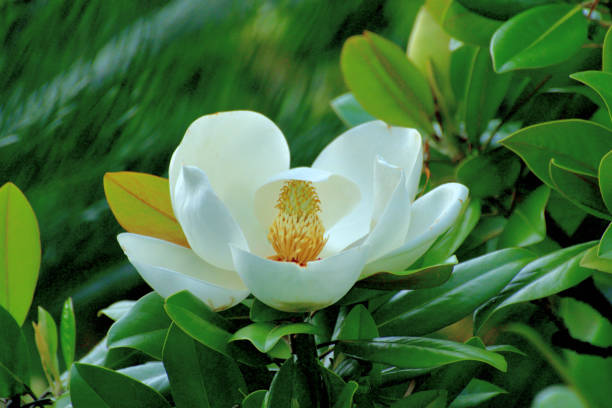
column 199, row 376
column 471, row 284
column 605, row 179
column 143, row 328
column 385, row 82
column 14, row 357
column 539, row 37
column 68, row 333
column 98, row 387
column 600, row 82
column 527, row 225
column 141, row 204
column 19, row 252
column 349, row 110
column 417, row 352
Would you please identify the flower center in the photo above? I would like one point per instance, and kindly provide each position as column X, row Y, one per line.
column 296, row 234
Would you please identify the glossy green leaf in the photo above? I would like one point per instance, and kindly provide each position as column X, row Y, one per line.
column 606, row 57
column 527, row 224
column 501, row 9
column 68, row 332
column 152, row 374
column 14, row 357
column 565, row 214
column 558, row 140
column 580, row 189
column 461, row 23
column 592, row 261
column 543, row 277
column 420, row 278
column 486, row 231
column 143, row 328
column 417, row 352
column 485, row 91
column 98, row 387
column 357, row 325
column 556, row 396
column 385, row 82
column 600, row 82
column 489, row 174
column 605, row 179
column 117, row 310
column 477, row 392
column 289, row 388
column 423, row 399
column 350, row 111
column 264, row 335
column 260, row 312
column 605, row 244
column 539, row 37
column 471, row 284
column 200, row 376
column 19, row 252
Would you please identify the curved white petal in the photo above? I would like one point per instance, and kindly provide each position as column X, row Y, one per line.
column 170, row 268
column 206, row 221
column 389, row 232
column 289, row 287
column 238, row 151
column 431, row 216
column 354, row 154
column 338, row 197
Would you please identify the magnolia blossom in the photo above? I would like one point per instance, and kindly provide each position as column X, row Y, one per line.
column 298, row 239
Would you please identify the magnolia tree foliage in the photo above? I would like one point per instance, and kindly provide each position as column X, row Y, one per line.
column 451, row 248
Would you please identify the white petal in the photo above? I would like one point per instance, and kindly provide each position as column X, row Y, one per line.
column 206, row 221
column 337, row 194
column 238, row 151
column 289, row 287
column 170, row 268
column 431, row 216
column 390, row 230
column 354, row 153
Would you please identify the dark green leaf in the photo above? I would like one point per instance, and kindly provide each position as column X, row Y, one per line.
column 565, row 214
column 501, row 9
column 264, row 335
column 599, row 81
column 489, row 174
column 527, row 224
column 350, row 111
column 289, row 388
column 345, row 399
column 472, row 283
column 488, row 229
column 541, row 278
column 68, row 333
column 559, row 140
column 143, row 328
column 255, row 399
column 605, row 179
column 477, row 392
column 98, row 387
column 417, row 352
column 605, row 245
column 539, row 37
column 420, row 278
column 200, row 376
column 385, row 82
column 357, row 325
column 260, row 312
column 152, row 374
column 423, row 399
column 14, row 357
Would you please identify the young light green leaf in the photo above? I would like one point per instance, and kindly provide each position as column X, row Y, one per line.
column 68, row 332
column 19, row 252
column 14, row 357
column 593, row 261
column 45, row 337
column 527, row 224
column 350, row 111
column 539, row 37
column 386, row 83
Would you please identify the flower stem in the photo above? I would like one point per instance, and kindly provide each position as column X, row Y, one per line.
column 303, row 346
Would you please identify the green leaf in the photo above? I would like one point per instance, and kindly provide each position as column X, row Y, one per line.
column 45, row 336
column 580, row 189
column 14, row 357
column 501, row 9
column 199, row 376
column 349, row 110
column 117, row 310
column 600, row 82
column 289, row 388
column 485, row 92
column 605, row 179
column 423, row 399
column 527, row 224
column 605, row 245
column 564, row 213
column 68, row 332
column 556, row 396
column 265, row 336
column 97, row 387
column 19, row 252
column 260, row 312
column 540, row 143
column 461, row 64
column 477, row 392
column 486, row 231
column 420, row 278
column 606, row 58
column 255, row 399
column 539, row 37
column 489, row 174
column 386, row 83
column 143, row 328
column 357, row 325
column 417, row 352
column 152, row 374
column 543, row 277
column 471, row 284
column 461, row 23
column 592, row 261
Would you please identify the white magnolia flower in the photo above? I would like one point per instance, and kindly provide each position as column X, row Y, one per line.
column 300, row 238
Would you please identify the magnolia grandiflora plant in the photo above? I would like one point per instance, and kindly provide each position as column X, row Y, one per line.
column 298, row 239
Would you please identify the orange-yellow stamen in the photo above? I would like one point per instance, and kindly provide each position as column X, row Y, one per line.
column 297, row 233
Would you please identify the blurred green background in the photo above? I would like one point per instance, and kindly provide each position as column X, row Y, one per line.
column 90, row 86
